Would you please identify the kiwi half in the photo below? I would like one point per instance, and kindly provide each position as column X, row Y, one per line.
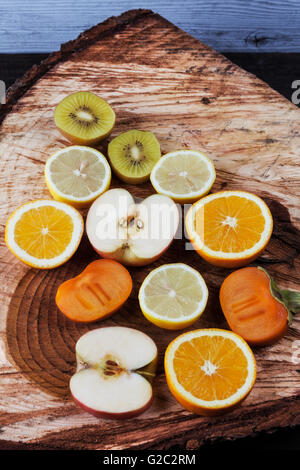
column 84, row 118
column 133, row 154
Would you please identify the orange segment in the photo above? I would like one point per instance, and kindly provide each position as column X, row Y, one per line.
column 209, row 371
column 230, row 228
column 44, row 233
column 219, row 370
column 232, row 223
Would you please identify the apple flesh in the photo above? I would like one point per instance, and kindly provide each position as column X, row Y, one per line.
column 115, row 366
column 133, row 234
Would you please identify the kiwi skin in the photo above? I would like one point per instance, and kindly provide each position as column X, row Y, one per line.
column 78, row 140
column 132, row 179
column 128, row 179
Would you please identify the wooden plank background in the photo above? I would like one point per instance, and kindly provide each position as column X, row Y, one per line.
column 244, row 26
column 178, row 71
column 234, row 25
column 278, row 69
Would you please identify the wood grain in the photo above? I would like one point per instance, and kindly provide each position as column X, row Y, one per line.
column 158, row 78
column 244, row 26
column 279, row 70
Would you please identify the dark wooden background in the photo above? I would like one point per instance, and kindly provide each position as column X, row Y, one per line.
column 261, row 36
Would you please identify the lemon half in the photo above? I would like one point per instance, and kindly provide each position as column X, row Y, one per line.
column 183, row 175
column 77, row 175
column 173, row 296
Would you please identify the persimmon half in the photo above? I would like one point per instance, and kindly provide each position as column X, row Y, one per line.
column 255, row 308
column 100, row 290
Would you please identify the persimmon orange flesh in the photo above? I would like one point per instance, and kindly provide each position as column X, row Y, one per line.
column 100, row 290
column 250, row 307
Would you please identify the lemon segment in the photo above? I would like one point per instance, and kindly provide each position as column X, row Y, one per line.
column 77, row 175
column 44, row 234
column 183, row 175
column 173, row 296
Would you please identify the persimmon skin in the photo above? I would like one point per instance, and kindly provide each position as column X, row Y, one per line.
column 250, row 308
column 99, row 291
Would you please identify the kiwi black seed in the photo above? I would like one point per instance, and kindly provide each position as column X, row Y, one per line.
column 133, row 154
column 84, row 118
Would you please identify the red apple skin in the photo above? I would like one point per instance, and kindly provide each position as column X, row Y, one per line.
column 118, row 416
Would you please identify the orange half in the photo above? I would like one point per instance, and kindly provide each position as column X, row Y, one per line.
column 229, row 228
column 44, row 234
column 209, row 371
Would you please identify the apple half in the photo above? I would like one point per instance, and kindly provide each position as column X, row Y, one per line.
column 115, row 366
column 134, row 234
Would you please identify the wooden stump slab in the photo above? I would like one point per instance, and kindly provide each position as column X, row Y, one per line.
column 157, row 78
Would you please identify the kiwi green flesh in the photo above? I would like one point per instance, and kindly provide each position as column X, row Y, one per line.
column 134, row 153
column 84, row 115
